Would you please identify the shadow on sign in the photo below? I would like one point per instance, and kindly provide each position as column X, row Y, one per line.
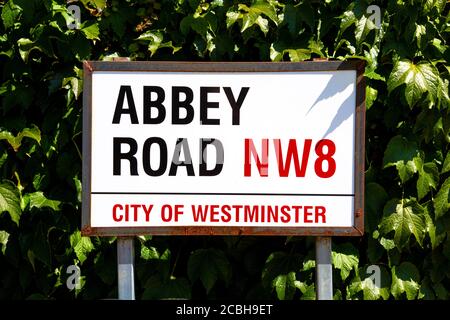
column 333, row 88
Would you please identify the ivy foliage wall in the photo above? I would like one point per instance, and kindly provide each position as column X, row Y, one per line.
column 407, row 146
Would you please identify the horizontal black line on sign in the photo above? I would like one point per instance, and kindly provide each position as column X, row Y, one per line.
column 233, row 194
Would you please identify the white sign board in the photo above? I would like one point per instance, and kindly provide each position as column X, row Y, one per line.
column 216, row 148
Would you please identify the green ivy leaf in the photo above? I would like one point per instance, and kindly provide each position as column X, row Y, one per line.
column 4, row 236
column 418, row 78
column 15, row 142
column 374, row 76
column 430, row 4
column 363, row 27
column 262, row 7
column 149, row 253
column 433, row 229
column 446, row 165
column 370, row 289
column 316, row 46
column 405, row 279
column 437, row 43
column 420, row 34
column 10, row 14
column 99, row 4
column 253, row 15
column 400, row 153
column 428, row 177
column 248, row 20
column 285, row 285
column 25, row 48
column 3, row 157
column 441, row 201
column 347, row 19
column 279, row 263
column 81, row 245
column 201, row 24
column 443, row 99
column 404, row 217
column 156, row 42
column 74, row 84
column 308, row 265
column 10, row 200
column 38, row 200
column 91, row 31
column 295, row 55
column 387, row 244
column 209, row 265
column 78, row 187
column 365, row 281
column 345, row 258
column 232, row 17
column 371, row 96
column 308, row 291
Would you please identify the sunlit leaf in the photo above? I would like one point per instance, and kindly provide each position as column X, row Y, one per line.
column 446, row 165
column 441, row 201
column 10, row 200
column 4, row 236
column 371, row 96
column 405, row 279
column 430, row 4
column 404, row 217
column 91, row 31
column 345, row 258
column 25, row 48
column 363, row 27
column 285, row 285
column 155, row 40
column 347, row 19
column 417, row 78
column 81, row 245
column 372, row 284
column 38, row 200
column 251, row 15
column 15, row 141
column 10, row 14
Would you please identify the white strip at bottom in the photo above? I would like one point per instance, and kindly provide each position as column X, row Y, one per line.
column 131, row 210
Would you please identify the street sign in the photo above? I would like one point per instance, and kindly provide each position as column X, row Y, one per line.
column 223, row 148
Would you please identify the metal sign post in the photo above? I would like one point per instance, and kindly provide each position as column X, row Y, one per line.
column 324, row 271
column 125, row 253
column 125, row 268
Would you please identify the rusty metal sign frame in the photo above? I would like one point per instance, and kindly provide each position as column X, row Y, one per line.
column 170, row 66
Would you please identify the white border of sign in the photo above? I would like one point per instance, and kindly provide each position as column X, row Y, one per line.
column 233, row 67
